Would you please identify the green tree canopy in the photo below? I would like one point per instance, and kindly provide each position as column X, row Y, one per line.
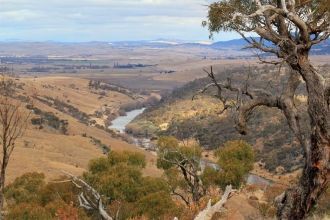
column 235, row 160
column 119, row 179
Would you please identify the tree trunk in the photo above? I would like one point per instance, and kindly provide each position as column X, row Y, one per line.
column 298, row 201
column 2, row 188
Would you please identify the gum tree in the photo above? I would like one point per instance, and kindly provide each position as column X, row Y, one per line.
column 286, row 30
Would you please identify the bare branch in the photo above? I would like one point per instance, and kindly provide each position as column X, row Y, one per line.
column 86, row 202
column 210, row 210
column 246, row 110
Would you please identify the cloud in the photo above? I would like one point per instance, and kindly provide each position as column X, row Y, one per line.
column 106, row 20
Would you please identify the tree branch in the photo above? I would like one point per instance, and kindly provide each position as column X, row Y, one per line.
column 246, row 110
column 210, row 210
column 85, row 202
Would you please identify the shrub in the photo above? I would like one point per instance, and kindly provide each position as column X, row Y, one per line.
column 29, row 211
column 235, row 159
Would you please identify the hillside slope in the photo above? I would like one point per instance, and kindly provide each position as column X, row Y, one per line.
column 58, row 137
column 269, row 133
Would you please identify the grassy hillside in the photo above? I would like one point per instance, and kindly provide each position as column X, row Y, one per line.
column 64, row 133
column 184, row 118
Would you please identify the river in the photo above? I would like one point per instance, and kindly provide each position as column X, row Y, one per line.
column 121, row 122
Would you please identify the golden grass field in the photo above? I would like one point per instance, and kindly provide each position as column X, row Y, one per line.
column 49, row 152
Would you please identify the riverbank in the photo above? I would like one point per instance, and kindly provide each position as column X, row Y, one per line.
column 119, row 124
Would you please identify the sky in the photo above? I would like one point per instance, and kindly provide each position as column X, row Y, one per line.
column 104, row 20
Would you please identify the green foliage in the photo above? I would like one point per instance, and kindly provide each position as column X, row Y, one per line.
column 199, row 119
column 30, row 197
column 25, row 189
column 29, row 211
column 170, row 153
column 221, row 14
column 210, row 176
column 182, row 166
column 119, row 179
column 237, row 152
column 235, row 159
column 157, row 204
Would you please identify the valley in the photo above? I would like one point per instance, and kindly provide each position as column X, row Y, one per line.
column 98, row 87
column 89, row 100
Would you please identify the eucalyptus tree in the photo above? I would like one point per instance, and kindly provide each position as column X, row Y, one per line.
column 287, row 30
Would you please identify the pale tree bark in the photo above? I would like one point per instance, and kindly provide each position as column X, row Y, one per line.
column 288, row 29
column 210, row 210
column 89, row 199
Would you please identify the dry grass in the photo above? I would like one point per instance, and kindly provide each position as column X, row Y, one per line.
column 50, row 152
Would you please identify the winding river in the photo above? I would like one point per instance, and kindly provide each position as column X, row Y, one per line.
column 121, row 122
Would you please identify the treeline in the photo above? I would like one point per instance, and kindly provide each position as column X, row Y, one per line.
column 98, row 85
column 116, row 65
column 48, row 119
column 65, row 108
column 148, row 102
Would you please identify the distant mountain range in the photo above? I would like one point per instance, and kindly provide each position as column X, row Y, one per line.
column 236, row 44
column 12, row 46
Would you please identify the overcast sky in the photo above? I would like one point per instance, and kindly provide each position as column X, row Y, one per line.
column 104, row 20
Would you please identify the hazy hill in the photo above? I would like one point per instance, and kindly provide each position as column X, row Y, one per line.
column 87, row 49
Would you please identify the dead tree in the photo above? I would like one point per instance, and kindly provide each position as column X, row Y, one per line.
column 89, row 199
column 287, row 30
column 210, row 210
column 13, row 123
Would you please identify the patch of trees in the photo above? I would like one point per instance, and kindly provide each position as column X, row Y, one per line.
column 190, row 177
column 30, row 197
column 42, row 69
column 110, row 87
column 48, row 119
column 105, row 148
column 125, row 193
column 212, row 130
column 79, row 67
column 116, row 65
column 149, row 102
column 65, row 108
column 167, row 71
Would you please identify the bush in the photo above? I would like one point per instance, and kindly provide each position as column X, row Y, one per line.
column 235, row 159
column 29, row 197
column 119, row 178
column 25, row 189
column 29, row 211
